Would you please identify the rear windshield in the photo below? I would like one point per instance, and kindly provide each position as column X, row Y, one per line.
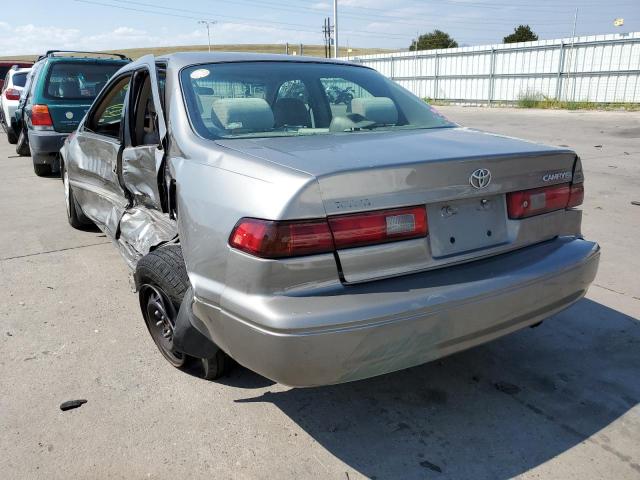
column 20, row 79
column 265, row 99
column 77, row 81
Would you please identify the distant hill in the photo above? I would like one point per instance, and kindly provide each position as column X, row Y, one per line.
column 311, row 50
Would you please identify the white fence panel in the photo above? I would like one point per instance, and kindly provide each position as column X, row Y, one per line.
column 599, row 68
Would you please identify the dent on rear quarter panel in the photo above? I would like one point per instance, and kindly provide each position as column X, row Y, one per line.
column 213, row 194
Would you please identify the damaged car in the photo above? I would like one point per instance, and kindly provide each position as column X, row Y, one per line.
column 315, row 241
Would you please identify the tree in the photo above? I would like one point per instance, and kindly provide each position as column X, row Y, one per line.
column 433, row 40
column 521, row 34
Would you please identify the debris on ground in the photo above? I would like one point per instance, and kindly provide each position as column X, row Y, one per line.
column 635, row 202
column 431, row 466
column 508, row 388
column 71, row 404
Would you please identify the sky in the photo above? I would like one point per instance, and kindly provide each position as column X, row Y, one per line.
column 33, row 26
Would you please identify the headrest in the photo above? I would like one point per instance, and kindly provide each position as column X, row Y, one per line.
column 69, row 88
column 242, row 114
column 381, row 110
column 291, row 111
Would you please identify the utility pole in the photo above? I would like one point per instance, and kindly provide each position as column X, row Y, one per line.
column 327, row 30
column 208, row 24
column 324, row 34
column 335, row 27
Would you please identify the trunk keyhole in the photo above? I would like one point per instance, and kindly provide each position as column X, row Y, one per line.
column 452, row 240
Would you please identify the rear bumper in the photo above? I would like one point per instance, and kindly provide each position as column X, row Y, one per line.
column 401, row 322
column 45, row 145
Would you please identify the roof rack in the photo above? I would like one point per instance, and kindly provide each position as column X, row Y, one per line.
column 52, row 53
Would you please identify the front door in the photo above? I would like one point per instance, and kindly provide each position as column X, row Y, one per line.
column 100, row 141
column 143, row 154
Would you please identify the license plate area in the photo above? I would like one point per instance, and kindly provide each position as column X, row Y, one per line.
column 465, row 225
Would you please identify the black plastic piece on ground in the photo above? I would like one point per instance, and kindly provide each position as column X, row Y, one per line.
column 187, row 337
column 71, row 404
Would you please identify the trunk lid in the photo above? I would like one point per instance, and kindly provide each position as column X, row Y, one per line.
column 360, row 172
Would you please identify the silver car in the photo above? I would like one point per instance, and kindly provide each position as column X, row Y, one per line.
column 315, row 221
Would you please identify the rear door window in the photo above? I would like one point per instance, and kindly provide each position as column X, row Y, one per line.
column 77, row 81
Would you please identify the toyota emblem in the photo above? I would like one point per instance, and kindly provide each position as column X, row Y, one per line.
column 480, row 178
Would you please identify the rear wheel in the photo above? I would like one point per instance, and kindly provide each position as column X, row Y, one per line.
column 22, row 146
column 76, row 218
column 164, row 282
column 42, row 169
column 12, row 138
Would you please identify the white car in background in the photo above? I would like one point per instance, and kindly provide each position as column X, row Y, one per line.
column 13, row 85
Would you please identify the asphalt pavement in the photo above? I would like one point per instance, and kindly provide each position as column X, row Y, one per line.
column 558, row 401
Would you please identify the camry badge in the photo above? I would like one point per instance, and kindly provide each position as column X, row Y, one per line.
column 480, row 178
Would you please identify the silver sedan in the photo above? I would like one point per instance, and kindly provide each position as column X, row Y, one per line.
column 315, row 221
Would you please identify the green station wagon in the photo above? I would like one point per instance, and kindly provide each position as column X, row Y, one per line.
column 63, row 88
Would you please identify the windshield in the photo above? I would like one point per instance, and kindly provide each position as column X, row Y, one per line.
column 260, row 99
column 78, row 81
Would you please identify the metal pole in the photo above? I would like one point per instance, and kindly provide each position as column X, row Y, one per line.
column 335, row 27
column 560, row 69
column 573, row 40
column 573, row 57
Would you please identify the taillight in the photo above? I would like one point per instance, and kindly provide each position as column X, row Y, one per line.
column 527, row 203
column 40, row 116
column 281, row 239
column 270, row 239
column 381, row 226
column 12, row 94
column 576, row 196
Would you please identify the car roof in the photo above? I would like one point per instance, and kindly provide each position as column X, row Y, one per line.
column 183, row 59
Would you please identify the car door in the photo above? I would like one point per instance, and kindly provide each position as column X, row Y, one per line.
column 143, row 154
column 95, row 166
column 145, row 223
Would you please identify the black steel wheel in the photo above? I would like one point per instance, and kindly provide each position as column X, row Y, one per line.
column 160, row 316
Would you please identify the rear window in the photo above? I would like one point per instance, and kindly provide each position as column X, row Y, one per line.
column 20, row 79
column 285, row 99
column 77, row 81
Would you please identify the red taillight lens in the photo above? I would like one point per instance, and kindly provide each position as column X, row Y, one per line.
column 272, row 239
column 12, row 94
column 577, row 195
column 269, row 239
column 381, row 226
column 543, row 200
column 40, row 116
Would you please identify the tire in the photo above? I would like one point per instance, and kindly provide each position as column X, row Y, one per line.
column 163, row 281
column 12, row 138
column 42, row 169
column 216, row 367
column 22, row 146
column 76, row 218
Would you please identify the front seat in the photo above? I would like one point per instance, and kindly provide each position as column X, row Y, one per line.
column 292, row 112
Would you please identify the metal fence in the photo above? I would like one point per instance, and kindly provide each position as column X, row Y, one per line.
column 600, row 68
